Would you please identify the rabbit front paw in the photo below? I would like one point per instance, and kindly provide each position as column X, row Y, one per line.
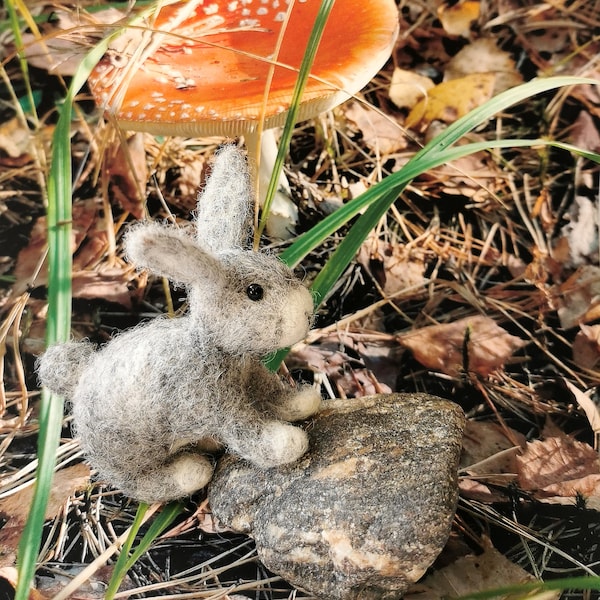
column 300, row 404
column 280, row 444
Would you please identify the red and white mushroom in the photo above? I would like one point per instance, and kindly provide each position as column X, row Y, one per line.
column 201, row 67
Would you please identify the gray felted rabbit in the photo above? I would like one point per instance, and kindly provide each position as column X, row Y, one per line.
column 148, row 403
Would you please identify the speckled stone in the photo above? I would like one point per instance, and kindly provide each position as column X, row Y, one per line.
column 367, row 510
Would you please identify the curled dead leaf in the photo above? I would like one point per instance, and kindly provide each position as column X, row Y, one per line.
column 476, row 344
column 380, row 132
column 395, row 267
column 578, row 298
column 484, row 56
column 586, row 346
column 559, row 466
column 408, row 87
column 471, row 574
column 456, row 17
column 450, row 100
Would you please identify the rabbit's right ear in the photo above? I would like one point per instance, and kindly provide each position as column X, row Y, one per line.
column 224, row 213
column 169, row 252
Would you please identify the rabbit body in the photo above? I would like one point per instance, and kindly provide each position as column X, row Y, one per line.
column 151, row 403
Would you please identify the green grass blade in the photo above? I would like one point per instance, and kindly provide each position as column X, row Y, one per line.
column 418, row 165
column 127, row 560
column 290, row 121
column 388, row 193
column 59, row 321
column 377, row 200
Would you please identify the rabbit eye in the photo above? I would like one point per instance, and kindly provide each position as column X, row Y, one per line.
column 255, row 292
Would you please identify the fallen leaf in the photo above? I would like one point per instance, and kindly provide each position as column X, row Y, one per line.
column 581, row 232
column 450, row 100
column 559, row 467
column 488, row 458
column 485, row 445
column 408, row 87
column 15, row 508
column 395, row 267
column 484, row 56
column 128, row 172
column 485, row 345
column 589, row 407
column 584, row 133
column 578, row 298
column 109, row 283
column 94, row 588
column 344, row 362
column 10, row 575
column 381, row 133
column 475, row 176
column 586, row 346
column 456, row 18
column 67, row 38
column 15, row 140
column 471, row 574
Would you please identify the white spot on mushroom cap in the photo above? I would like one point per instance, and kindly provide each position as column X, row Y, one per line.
column 249, row 23
column 211, row 9
column 262, row 11
column 231, row 6
column 279, row 17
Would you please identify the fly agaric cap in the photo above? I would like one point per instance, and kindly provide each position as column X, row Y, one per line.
column 202, row 67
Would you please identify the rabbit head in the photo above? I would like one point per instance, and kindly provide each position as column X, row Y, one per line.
column 245, row 301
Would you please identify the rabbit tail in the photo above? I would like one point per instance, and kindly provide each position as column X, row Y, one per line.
column 61, row 366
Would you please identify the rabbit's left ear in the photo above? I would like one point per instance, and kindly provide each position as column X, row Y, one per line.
column 224, row 213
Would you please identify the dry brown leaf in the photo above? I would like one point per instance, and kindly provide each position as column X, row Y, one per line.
column 586, row 346
column 381, row 133
column 442, row 347
column 488, row 457
column 589, row 407
column 471, row 574
column 408, row 87
column 128, row 172
column 578, row 298
column 484, row 56
column 15, row 508
column 94, row 588
column 14, row 139
column 395, row 267
column 109, row 283
column 584, row 133
column 580, row 235
column 450, row 100
column 485, row 447
column 10, row 575
column 473, row 176
column 28, row 259
column 67, row 38
column 351, row 366
column 456, row 18
column 559, row 466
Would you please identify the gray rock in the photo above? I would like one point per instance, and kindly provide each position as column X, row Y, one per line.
column 367, row 510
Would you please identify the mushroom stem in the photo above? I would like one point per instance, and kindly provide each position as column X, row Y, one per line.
column 283, row 213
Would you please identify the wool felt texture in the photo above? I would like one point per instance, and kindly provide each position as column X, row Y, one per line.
column 152, row 403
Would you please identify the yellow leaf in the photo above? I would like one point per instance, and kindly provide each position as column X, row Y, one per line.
column 456, row 19
column 408, row 87
column 451, row 100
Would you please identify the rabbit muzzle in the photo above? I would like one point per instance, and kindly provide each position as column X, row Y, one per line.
column 298, row 317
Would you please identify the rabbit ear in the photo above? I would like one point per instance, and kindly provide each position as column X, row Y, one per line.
column 170, row 252
column 224, row 213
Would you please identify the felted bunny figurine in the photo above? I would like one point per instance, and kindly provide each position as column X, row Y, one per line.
column 149, row 403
